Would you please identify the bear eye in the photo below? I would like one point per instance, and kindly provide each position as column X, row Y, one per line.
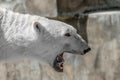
column 67, row 34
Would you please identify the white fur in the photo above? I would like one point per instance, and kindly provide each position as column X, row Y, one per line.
column 20, row 37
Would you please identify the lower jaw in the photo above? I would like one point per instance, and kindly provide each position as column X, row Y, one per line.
column 59, row 61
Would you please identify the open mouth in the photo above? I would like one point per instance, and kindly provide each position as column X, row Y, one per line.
column 58, row 63
column 59, row 60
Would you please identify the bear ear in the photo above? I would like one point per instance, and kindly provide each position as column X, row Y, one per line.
column 38, row 27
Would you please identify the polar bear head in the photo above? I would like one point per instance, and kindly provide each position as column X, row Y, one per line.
column 55, row 38
column 39, row 38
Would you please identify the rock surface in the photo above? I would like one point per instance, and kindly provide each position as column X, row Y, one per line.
column 76, row 6
column 36, row 7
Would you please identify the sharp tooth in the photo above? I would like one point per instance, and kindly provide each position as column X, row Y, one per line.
column 61, row 68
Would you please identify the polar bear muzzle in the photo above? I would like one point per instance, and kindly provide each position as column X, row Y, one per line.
column 59, row 61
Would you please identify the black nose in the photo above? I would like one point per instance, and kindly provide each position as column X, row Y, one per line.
column 87, row 50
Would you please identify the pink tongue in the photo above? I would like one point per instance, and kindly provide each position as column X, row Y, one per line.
column 60, row 65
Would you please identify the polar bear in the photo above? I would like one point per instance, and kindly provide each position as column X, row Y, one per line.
column 24, row 35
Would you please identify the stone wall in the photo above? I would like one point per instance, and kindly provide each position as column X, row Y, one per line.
column 35, row 7
column 67, row 7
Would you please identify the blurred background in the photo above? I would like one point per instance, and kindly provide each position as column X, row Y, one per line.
column 99, row 28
